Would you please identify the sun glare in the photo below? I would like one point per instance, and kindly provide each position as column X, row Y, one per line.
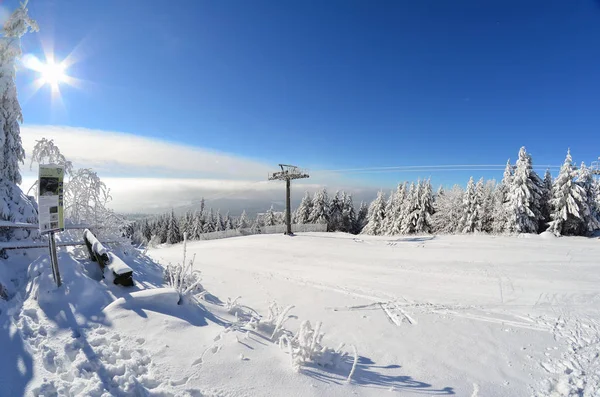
column 52, row 73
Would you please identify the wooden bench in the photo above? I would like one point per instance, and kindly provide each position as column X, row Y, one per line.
column 123, row 274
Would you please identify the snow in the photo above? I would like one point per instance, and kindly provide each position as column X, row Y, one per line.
column 472, row 315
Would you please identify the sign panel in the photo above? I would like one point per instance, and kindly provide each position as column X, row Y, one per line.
column 50, row 198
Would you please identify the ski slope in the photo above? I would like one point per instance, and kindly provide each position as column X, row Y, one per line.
column 430, row 316
column 469, row 315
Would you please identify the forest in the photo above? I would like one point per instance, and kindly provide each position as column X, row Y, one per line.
column 522, row 202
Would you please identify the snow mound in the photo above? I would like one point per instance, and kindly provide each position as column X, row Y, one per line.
column 157, row 299
column 547, row 235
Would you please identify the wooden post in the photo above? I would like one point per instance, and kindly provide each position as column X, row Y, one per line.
column 54, row 259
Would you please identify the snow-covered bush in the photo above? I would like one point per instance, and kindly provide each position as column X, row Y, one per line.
column 182, row 276
column 306, row 347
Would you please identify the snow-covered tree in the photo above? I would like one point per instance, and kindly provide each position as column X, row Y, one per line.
column 376, row 216
column 197, row 224
column 302, row 214
column 257, row 225
column 387, row 224
column 348, row 213
column 219, row 222
column 320, row 207
column 500, row 216
column 11, row 148
column 270, row 219
column 545, row 208
column 410, row 209
column 448, row 210
column 524, row 197
column 361, row 218
column 488, row 206
column 395, row 216
column 86, row 201
column 173, row 233
column 568, row 201
column 472, row 202
column 46, row 152
column 425, row 208
column 209, row 222
column 243, row 221
column 590, row 213
column 334, row 219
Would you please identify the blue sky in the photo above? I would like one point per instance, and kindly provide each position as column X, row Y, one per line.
column 331, row 84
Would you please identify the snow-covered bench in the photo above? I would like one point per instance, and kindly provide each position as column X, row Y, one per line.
column 123, row 274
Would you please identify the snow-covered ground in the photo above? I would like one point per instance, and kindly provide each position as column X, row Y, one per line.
column 450, row 315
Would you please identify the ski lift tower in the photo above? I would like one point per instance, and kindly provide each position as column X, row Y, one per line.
column 287, row 174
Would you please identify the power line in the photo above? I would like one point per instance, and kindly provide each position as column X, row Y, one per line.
column 427, row 168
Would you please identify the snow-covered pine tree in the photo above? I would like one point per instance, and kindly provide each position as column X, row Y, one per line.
column 183, row 224
column 568, row 197
column 410, row 209
column 197, row 225
column 348, row 213
column 257, row 225
column 209, row 222
column 471, row 221
column 524, row 197
column 270, row 219
column 219, row 222
column 162, row 228
column 448, row 210
column 389, row 209
column 425, row 208
column 228, row 222
column 376, row 216
column 11, row 148
column 334, row 221
column 361, row 218
column 590, row 214
column 173, row 233
column 320, row 207
column 488, row 206
column 243, row 221
column 302, row 215
column 500, row 216
column 545, row 208
column 396, row 215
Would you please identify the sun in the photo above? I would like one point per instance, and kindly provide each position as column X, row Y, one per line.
column 52, row 73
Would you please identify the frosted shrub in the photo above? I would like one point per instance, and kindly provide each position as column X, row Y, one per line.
column 182, row 277
column 232, row 304
column 306, row 347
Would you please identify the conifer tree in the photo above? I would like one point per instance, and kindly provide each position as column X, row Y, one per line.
column 410, row 209
column 243, row 221
column 567, row 199
column 335, row 213
column 361, row 218
column 270, row 219
column 524, row 197
column 11, row 148
column 320, row 208
column 396, row 215
column 173, row 233
column 302, row 214
column 376, row 216
column 348, row 213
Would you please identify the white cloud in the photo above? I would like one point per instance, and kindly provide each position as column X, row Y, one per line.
column 116, row 153
column 149, row 175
